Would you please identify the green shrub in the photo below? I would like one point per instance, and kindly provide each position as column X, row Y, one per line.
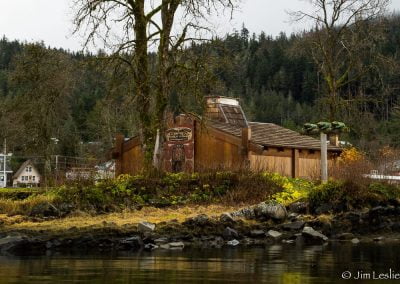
column 388, row 191
column 331, row 192
column 348, row 194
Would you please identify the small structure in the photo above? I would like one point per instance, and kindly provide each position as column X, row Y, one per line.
column 225, row 140
column 5, row 169
column 27, row 175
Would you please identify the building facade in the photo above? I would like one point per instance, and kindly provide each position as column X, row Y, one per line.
column 27, row 175
column 225, row 140
column 5, row 169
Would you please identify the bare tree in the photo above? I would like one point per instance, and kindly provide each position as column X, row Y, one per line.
column 132, row 28
column 341, row 38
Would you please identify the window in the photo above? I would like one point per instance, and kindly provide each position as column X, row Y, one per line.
column 30, row 177
column 22, row 178
column 30, row 169
column 33, row 178
column 26, row 169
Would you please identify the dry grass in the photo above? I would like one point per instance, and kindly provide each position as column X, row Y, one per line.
column 149, row 214
column 24, row 207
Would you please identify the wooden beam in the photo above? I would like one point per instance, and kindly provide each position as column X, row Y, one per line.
column 295, row 163
column 246, row 137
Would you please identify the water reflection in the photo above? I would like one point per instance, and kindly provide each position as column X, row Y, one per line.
column 287, row 264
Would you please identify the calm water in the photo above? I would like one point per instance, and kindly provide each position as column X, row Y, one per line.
column 273, row 264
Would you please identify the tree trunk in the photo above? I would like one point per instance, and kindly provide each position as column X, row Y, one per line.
column 142, row 82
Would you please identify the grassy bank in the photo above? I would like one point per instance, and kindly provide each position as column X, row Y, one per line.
column 129, row 193
column 82, row 220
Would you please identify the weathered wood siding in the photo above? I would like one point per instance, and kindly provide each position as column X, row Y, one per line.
column 216, row 150
column 290, row 162
column 130, row 157
column 133, row 161
column 309, row 164
column 272, row 160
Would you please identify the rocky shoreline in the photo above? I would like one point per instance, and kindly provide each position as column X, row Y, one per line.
column 262, row 224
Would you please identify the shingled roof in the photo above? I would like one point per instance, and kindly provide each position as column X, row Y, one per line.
column 272, row 135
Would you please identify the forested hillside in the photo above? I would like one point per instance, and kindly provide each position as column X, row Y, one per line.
column 82, row 100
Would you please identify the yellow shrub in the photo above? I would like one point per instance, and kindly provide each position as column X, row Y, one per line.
column 351, row 155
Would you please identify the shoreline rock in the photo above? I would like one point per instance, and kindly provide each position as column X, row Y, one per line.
column 240, row 228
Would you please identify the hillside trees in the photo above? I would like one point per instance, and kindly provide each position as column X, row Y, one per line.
column 42, row 83
column 341, row 41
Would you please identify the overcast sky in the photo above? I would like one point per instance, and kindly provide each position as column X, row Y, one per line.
column 51, row 20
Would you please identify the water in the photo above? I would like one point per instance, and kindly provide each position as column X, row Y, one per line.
column 273, row 264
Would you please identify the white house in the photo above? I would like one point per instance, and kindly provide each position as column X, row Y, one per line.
column 27, row 175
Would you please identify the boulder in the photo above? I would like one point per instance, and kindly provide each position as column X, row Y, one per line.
column 257, row 233
column 199, row 220
column 293, row 216
column 146, row 227
column 161, row 241
column 355, row 241
column 274, row 211
column 10, row 241
column 218, row 242
column 226, row 218
column 274, row 234
column 247, row 213
column 313, row 236
column 20, row 245
column 131, row 243
column 176, row 245
column 150, row 246
column 298, row 207
column 230, row 234
column 233, row 243
column 293, row 226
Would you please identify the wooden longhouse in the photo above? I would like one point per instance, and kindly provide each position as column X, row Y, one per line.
column 225, row 140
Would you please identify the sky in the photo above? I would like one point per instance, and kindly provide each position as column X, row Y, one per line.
column 50, row 21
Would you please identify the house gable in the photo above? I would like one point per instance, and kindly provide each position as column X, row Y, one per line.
column 27, row 174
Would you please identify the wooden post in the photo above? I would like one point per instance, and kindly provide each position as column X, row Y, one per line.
column 334, row 139
column 118, row 153
column 295, row 163
column 324, row 158
column 246, row 137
